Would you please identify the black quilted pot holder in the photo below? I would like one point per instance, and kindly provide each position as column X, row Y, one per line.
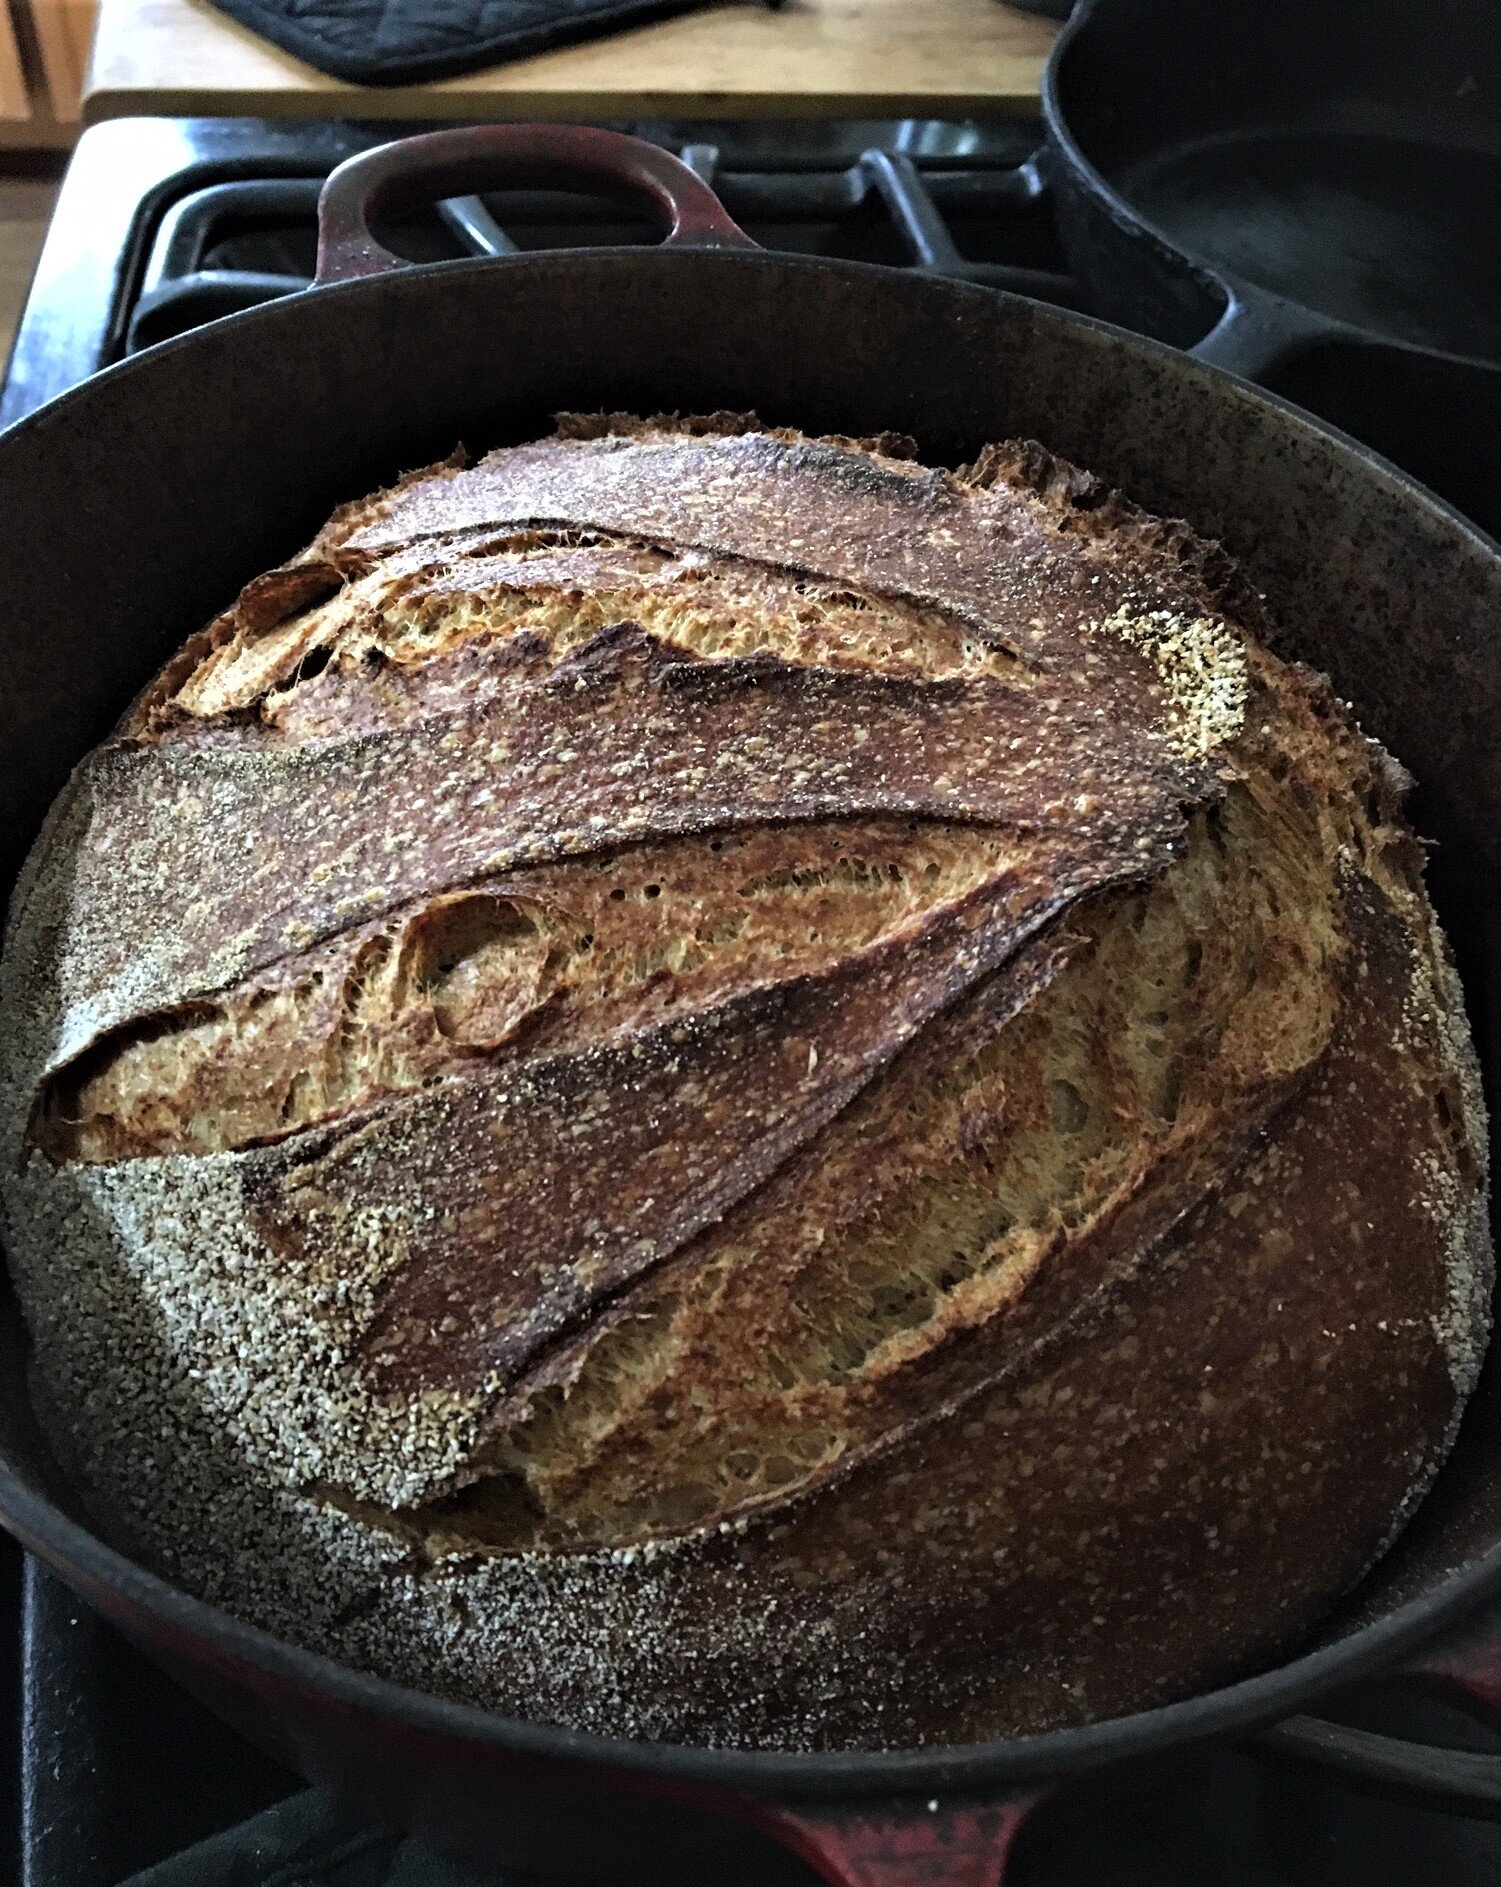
column 400, row 42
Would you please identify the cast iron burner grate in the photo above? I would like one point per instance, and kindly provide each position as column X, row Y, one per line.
column 163, row 224
column 968, row 216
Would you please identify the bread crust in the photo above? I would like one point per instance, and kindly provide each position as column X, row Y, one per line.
column 433, row 1352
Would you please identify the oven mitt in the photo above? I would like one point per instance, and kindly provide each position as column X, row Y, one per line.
column 402, row 42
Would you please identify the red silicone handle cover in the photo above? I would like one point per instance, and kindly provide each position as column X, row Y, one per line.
column 927, row 1845
column 1465, row 1664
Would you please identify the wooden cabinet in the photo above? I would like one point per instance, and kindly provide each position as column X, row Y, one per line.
column 63, row 31
column 15, row 98
column 44, row 55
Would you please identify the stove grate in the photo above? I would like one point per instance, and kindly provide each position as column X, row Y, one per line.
column 232, row 245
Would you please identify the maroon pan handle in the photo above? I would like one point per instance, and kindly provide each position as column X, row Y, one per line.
column 1465, row 1666
column 928, row 1844
column 484, row 157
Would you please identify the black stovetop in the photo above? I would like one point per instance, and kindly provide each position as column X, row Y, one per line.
column 162, row 224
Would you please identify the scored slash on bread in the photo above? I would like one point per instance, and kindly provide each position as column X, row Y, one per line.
column 724, row 1086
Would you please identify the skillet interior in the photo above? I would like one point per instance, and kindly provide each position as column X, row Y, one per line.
column 1350, row 102
column 140, row 503
column 1344, row 158
column 1395, row 237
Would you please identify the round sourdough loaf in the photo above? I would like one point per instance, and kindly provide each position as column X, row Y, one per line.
column 717, row 1086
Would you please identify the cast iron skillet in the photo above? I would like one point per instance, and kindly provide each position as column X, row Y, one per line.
column 139, row 502
column 1318, row 187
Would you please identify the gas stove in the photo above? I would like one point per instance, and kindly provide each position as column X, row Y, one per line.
column 164, row 224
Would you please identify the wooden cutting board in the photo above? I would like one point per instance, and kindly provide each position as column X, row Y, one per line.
column 811, row 58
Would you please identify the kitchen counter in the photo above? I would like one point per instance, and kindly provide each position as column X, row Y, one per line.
column 812, row 58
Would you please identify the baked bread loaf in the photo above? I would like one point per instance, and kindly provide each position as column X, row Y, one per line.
column 717, row 1086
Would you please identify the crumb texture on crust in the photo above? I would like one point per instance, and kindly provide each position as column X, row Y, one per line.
column 713, row 977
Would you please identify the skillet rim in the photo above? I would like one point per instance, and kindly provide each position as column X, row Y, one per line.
column 69, row 1548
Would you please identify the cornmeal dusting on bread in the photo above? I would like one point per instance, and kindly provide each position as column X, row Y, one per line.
column 1455, row 1179
column 679, row 1063
column 1203, row 669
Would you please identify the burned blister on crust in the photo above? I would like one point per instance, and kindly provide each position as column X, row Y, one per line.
column 721, row 988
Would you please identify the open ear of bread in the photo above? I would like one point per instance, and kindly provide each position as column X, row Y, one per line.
column 718, row 1086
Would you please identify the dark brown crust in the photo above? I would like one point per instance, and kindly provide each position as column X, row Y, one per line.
column 620, row 743
column 979, row 550
column 1151, row 1459
column 649, row 1143
column 1166, row 1492
column 1207, row 1429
